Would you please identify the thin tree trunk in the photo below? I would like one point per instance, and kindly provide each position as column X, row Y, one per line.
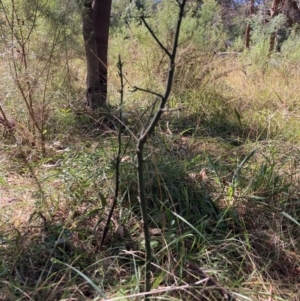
column 248, row 28
column 248, row 36
column 272, row 42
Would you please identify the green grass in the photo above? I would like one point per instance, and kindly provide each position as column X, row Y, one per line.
column 221, row 178
column 240, row 238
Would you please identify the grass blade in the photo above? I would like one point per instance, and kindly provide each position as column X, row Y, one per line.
column 89, row 281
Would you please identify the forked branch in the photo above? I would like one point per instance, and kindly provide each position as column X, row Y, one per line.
column 149, row 130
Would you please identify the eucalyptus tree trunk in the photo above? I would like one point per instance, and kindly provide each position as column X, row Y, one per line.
column 291, row 10
column 96, row 21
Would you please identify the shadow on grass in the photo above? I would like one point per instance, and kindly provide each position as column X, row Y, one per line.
column 189, row 166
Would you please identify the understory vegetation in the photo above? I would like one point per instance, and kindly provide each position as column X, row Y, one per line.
column 222, row 169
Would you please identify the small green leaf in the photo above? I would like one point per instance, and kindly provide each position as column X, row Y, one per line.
column 154, row 244
column 2, row 180
column 93, row 213
column 238, row 116
column 230, row 191
column 102, row 199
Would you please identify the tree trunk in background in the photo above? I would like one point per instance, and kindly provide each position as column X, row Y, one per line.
column 291, row 10
column 101, row 22
column 248, row 28
column 96, row 21
column 248, row 36
column 274, row 11
column 92, row 80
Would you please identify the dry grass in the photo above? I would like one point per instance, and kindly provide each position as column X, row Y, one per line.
column 209, row 214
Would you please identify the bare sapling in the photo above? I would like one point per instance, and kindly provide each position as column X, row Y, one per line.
column 146, row 133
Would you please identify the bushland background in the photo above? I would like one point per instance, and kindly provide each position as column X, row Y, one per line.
column 221, row 170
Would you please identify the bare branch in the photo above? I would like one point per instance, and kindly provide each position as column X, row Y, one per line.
column 155, row 37
column 173, row 110
column 146, row 91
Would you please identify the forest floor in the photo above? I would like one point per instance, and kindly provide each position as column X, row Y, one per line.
column 222, row 184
